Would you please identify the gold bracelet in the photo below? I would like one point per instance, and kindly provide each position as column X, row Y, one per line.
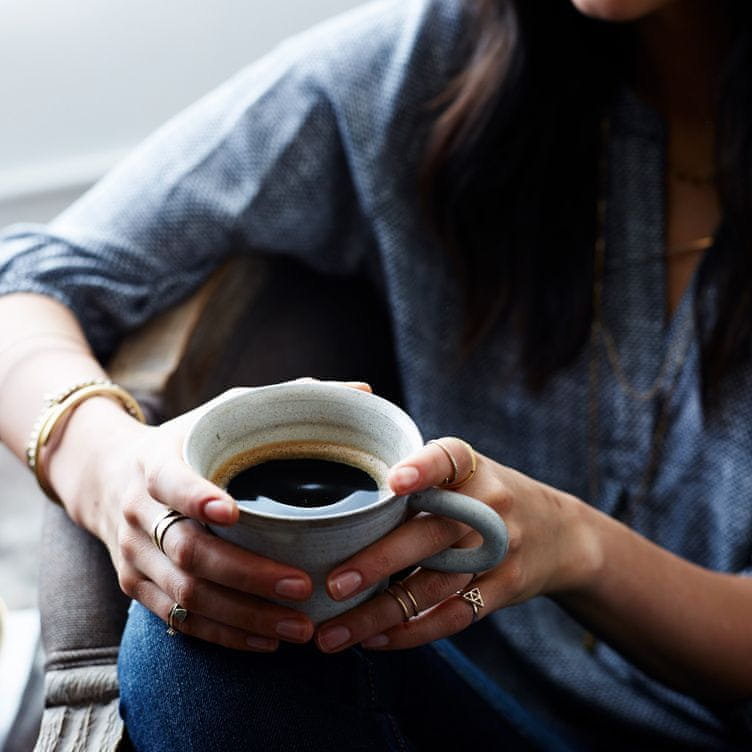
column 58, row 407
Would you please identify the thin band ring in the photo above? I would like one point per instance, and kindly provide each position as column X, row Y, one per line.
column 455, row 470
column 161, row 525
column 167, row 525
column 452, row 483
column 177, row 615
column 409, row 594
column 169, row 514
column 475, row 599
column 401, row 601
column 473, row 467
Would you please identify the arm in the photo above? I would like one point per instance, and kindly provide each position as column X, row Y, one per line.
column 225, row 177
column 687, row 626
column 115, row 476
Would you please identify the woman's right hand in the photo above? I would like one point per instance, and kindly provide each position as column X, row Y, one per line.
column 117, row 478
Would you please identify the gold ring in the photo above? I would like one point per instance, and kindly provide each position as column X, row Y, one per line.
column 166, row 527
column 161, row 526
column 410, row 595
column 475, row 599
column 177, row 615
column 452, row 483
column 401, row 601
column 455, row 470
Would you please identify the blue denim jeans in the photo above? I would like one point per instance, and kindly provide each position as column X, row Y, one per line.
column 180, row 693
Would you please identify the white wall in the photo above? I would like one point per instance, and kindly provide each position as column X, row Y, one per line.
column 83, row 81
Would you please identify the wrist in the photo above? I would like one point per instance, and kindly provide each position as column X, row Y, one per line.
column 583, row 550
column 78, row 458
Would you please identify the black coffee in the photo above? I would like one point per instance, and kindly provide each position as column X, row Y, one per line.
column 304, row 483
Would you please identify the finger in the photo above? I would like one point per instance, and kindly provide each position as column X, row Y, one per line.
column 172, row 482
column 204, row 596
column 422, row 590
column 450, row 616
column 229, row 607
column 432, row 465
column 363, row 386
column 195, row 551
column 205, row 628
column 419, row 537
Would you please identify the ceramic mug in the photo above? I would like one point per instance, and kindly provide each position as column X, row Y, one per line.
column 320, row 420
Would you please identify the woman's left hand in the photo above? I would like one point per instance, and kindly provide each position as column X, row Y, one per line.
column 551, row 550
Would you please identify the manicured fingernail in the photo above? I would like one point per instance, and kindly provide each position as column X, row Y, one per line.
column 405, row 477
column 292, row 587
column 345, row 584
column 220, row 510
column 261, row 643
column 377, row 641
column 293, row 629
column 332, row 637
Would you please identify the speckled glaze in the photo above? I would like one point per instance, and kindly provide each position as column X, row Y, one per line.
column 305, row 418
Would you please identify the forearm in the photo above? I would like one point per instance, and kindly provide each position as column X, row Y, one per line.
column 687, row 626
column 43, row 351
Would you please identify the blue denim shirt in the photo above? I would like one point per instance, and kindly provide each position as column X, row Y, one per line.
column 314, row 152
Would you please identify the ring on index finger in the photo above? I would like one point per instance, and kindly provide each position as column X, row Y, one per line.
column 453, row 482
column 162, row 524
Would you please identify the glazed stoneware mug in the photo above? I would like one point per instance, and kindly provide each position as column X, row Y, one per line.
column 249, row 431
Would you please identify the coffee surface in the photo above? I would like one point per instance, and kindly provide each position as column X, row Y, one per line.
column 303, row 483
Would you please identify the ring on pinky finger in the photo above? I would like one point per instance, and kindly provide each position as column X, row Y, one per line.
column 202, row 627
column 472, row 595
column 176, row 616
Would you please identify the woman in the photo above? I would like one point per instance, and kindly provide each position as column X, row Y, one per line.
column 577, row 308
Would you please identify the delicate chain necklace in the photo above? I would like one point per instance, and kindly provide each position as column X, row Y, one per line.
column 663, row 385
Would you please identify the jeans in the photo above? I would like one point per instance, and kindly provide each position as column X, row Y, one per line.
column 180, row 693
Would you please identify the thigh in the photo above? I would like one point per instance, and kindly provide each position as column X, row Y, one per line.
column 182, row 693
column 178, row 692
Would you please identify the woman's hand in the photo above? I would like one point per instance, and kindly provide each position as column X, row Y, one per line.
column 118, row 478
column 550, row 551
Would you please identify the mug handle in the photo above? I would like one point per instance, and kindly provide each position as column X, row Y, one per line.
column 472, row 512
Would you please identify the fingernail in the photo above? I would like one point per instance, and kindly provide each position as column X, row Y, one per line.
column 405, row 477
column 293, row 629
column 332, row 637
column 292, row 587
column 377, row 641
column 219, row 510
column 261, row 643
column 345, row 584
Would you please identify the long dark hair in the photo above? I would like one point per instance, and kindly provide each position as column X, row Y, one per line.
column 511, row 171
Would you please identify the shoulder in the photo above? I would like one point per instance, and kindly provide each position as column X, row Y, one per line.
column 377, row 31
column 366, row 55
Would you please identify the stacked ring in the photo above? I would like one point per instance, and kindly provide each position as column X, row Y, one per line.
column 402, row 602
column 453, row 483
column 177, row 615
column 162, row 525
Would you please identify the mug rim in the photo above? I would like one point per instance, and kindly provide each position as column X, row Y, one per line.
column 305, row 388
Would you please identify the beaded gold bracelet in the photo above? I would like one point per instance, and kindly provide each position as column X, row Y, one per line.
column 57, row 408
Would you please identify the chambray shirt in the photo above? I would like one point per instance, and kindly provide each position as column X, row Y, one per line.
column 314, row 152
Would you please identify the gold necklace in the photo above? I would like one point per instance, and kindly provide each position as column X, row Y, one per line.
column 668, row 374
